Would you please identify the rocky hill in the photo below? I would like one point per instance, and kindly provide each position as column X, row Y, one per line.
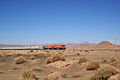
column 101, row 45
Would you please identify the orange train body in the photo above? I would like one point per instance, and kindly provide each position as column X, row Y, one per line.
column 54, row 47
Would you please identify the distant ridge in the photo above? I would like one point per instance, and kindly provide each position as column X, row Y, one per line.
column 72, row 45
column 105, row 43
column 78, row 46
column 101, row 45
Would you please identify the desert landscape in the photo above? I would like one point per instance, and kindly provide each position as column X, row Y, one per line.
column 59, row 39
column 82, row 62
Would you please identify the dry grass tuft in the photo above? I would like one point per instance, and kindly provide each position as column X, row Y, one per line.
column 82, row 60
column 104, row 60
column 113, row 62
column 19, row 60
column 112, row 59
column 104, row 73
column 64, row 75
column 92, row 66
column 55, row 57
column 31, row 51
column 32, row 57
column 86, row 51
column 28, row 75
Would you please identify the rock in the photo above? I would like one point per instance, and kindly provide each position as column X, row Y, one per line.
column 75, row 75
column 60, row 64
column 37, row 69
column 115, row 77
column 53, row 76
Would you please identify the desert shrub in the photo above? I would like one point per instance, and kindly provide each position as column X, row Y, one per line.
column 81, row 50
column 31, row 50
column 1, row 56
column 86, row 50
column 46, row 51
column 55, row 57
column 112, row 59
column 19, row 60
column 104, row 60
column 82, row 60
column 28, row 75
column 64, row 75
column 104, row 73
column 92, row 66
column 32, row 57
column 116, row 50
column 18, row 54
column 115, row 64
column 1, row 72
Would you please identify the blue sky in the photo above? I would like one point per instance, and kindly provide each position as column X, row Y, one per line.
column 59, row 21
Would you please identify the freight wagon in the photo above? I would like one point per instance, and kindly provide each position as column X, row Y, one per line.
column 45, row 47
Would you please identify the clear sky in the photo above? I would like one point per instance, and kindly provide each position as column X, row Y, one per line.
column 59, row 21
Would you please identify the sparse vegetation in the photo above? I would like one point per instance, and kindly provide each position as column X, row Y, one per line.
column 64, row 75
column 104, row 73
column 82, row 60
column 113, row 62
column 104, row 60
column 31, row 50
column 112, row 59
column 55, row 57
column 78, row 54
column 19, row 60
column 92, row 66
column 81, row 50
column 32, row 57
column 28, row 75
column 86, row 50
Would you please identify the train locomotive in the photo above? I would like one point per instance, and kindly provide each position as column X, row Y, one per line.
column 54, row 47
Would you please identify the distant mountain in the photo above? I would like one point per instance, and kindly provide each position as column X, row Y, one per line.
column 105, row 43
column 101, row 45
column 72, row 45
column 84, row 45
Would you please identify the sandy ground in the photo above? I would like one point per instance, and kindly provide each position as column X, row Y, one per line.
column 11, row 71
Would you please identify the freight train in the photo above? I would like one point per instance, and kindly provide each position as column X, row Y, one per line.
column 45, row 47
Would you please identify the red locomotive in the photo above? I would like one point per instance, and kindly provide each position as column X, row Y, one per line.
column 54, row 47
